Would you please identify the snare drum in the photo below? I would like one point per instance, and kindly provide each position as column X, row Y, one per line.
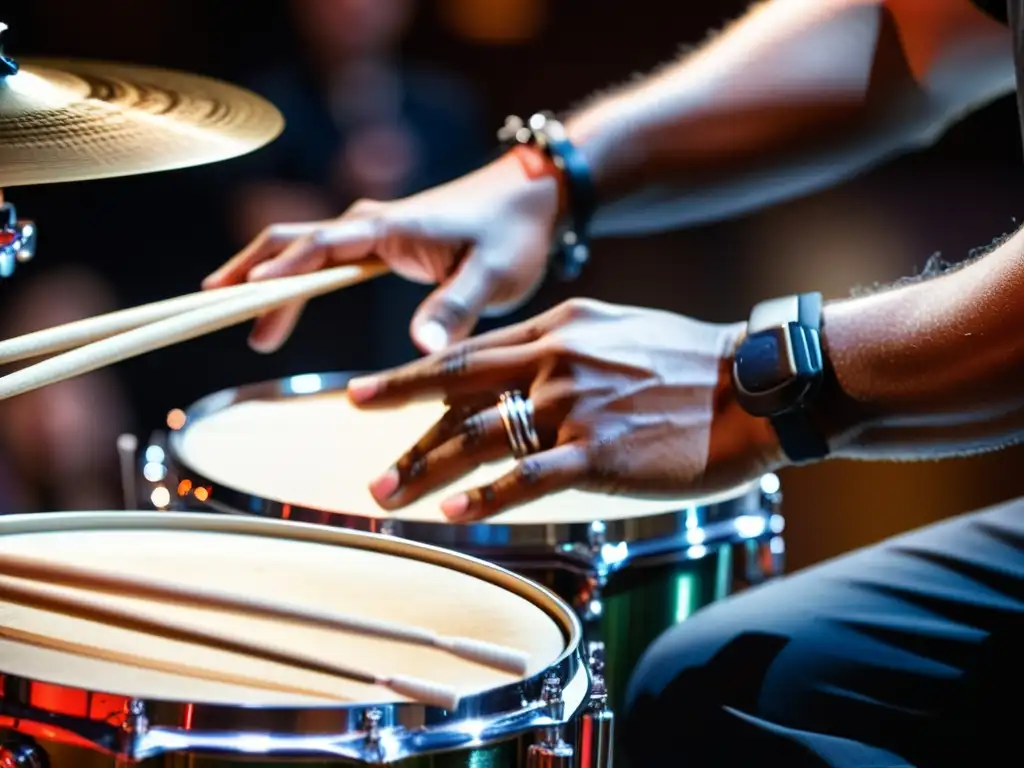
column 77, row 693
column 297, row 449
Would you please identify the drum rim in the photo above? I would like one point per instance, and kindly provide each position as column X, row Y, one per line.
column 500, row 713
column 655, row 533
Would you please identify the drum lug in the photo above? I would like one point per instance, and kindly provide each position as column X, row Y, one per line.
column 21, row 752
column 373, row 750
column 135, row 725
column 551, row 750
column 596, row 730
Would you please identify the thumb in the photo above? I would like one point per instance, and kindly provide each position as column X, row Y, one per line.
column 450, row 313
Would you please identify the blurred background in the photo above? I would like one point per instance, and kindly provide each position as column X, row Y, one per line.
column 386, row 97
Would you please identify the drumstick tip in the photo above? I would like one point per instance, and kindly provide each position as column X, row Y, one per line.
column 424, row 691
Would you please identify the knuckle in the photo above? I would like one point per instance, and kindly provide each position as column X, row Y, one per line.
column 364, row 207
column 273, row 232
column 529, row 472
column 452, row 311
column 474, row 430
column 412, row 465
column 320, row 237
column 454, row 363
column 603, row 462
column 487, row 496
column 580, row 308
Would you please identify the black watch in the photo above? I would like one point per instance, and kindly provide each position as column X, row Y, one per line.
column 778, row 371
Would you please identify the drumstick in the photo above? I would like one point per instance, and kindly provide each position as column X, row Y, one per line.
column 489, row 654
column 70, row 335
column 157, row 665
column 38, row 598
column 189, row 325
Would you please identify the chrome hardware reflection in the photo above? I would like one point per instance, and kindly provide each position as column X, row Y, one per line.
column 551, row 750
column 21, row 752
column 17, row 240
column 596, row 730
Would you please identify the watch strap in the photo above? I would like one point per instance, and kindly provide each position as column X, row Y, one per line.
column 799, row 436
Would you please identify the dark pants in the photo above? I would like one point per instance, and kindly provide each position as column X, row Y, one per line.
column 907, row 653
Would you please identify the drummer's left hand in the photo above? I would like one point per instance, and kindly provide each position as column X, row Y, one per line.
column 626, row 400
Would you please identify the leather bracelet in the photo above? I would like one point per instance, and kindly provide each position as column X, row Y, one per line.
column 542, row 130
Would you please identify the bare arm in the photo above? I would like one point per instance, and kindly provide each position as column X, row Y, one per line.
column 931, row 369
column 797, row 95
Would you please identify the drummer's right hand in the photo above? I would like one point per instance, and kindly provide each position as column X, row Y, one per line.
column 483, row 239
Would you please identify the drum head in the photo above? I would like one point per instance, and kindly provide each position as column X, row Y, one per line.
column 364, row 575
column 320, row 452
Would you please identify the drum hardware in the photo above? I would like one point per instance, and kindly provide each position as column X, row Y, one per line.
column 18, row 751
column 373, row 751
column 551, row 750
column 17, row 240
column 596, row 731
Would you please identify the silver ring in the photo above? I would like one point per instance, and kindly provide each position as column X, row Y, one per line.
column 517, row 416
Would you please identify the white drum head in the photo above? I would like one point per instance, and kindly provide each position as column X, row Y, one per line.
column 321, row 452
column 246, row 557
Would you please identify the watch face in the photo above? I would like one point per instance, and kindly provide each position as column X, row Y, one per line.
column 763, row 361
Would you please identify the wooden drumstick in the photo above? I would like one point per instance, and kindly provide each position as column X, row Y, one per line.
column 180, row 668
column 82, row 607
column 189, row 325
column 499, row 657
column 71, row 335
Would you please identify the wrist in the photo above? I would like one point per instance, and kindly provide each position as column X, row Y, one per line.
column 536, row 194
column 537, row 165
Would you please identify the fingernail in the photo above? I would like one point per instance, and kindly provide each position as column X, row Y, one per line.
column 433, row 336
column 456, row 507
column 259, row 272
column 384, row 487
column 262, row 347
column 363, row 388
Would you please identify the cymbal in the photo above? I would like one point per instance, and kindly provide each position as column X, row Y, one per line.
column 76, row 120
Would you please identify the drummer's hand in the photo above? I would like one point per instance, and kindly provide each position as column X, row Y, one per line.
column 484, row 238
column 626, row 400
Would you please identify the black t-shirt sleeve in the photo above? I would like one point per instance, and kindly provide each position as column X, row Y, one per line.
column 995, row 8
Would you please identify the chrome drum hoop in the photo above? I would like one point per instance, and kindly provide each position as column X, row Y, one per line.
column 361, row 733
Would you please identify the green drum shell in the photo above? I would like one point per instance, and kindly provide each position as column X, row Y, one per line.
column 627, row 610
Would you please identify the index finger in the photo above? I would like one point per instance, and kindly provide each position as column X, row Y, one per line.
column 269, row 243
column 457, row 372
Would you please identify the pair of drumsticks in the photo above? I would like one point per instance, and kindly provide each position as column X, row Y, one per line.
column 86, row 345
column 95, row 342
column 23, row 577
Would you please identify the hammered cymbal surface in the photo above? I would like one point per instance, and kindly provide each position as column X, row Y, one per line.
column 76, row 120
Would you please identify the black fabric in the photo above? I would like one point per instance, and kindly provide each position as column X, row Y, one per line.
column 906, row 653
column 1011, row 12
column 996, row 8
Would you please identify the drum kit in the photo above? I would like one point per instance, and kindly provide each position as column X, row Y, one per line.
column 260, row 492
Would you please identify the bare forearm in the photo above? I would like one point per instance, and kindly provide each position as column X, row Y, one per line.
column 935, row 368
column 796, row 96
